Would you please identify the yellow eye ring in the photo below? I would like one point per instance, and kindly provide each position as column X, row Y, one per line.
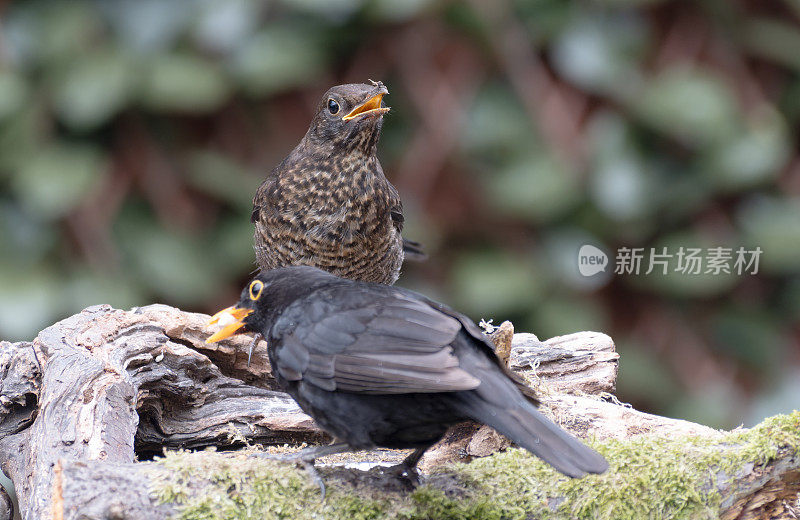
column 256, row 286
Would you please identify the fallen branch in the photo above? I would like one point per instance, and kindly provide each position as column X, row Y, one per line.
column 98, row 390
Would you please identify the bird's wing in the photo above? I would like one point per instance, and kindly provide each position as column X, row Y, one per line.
column 395, row 206
column 411, row 250
column 392, row 344
column 260, row 201
column 483, row 342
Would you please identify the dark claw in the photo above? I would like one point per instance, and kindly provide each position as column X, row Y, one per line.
column 404, row 472
column 258, row 336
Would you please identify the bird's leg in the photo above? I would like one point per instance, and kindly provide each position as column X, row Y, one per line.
column 306, row 458
column 408, row 468
column 256, row 338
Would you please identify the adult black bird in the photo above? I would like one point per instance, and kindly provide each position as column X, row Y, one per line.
column 328, row 204
column 379, row 366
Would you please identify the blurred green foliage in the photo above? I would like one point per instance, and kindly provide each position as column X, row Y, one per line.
column 133, row 134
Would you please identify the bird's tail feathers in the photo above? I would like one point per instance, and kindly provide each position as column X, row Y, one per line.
column 525, row 425
column 413, row 251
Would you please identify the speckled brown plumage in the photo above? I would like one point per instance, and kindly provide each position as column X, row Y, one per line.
column 328, row 204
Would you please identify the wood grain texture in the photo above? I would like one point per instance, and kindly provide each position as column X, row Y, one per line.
column 92, row 397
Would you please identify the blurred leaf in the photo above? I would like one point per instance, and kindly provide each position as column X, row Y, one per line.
column 750, row 335
column 781, row 397
column 558, row 315
column 184, row 83
column 94, row 89
column 681, row 192
column 683, row 283
column 399, row 11
column 178, row 268
column 534, row 187
column 630, row 184
column 26, row 240
column 622, row 189
column 621, row 185
column 52, row 31
column 222, row 25
column 57, row 179
column 788, row 305
column 13, row 93
column 773, row 39
column 544, row 19
column 463, row 18
column 232, row 247
column 148, row 26
column 629, row 3
column 334, row 10
column 19, row 137
column 717, row 404
column 560, row 256
column 752, row 158
column 693, row 107
column 497, row 124
column 773, row 224
column 491, row 284
column 642, row 376
column 84, row 288
column 220, row 176
column 277, row 58
column 29, row 302
column 599, row 51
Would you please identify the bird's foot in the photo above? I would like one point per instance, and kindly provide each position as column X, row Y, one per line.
column 403, row 472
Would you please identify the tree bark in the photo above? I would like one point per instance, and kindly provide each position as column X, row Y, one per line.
column 97, row 391
column 105, row 490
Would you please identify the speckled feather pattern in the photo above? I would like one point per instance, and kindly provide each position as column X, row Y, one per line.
column 328, row 204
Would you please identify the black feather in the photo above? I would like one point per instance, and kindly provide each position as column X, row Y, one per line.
column 376, row 365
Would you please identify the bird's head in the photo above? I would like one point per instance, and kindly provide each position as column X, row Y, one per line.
column 265, row 297
column 245, row 316
column 349, row 118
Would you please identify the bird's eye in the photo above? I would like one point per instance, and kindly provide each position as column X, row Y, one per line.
column 333, row 106
column 256, row 286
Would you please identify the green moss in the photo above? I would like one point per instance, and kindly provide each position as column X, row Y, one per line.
column 650, row 476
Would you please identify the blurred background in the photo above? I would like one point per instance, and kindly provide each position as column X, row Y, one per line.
column 133, row 134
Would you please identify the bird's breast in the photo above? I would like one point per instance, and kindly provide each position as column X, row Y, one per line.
column 335, row 215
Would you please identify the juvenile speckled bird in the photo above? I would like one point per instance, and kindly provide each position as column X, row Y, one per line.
column 382, row 366
column 328, row 204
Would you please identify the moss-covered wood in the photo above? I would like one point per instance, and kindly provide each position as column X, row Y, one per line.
column 651, row 476
column 92, row 393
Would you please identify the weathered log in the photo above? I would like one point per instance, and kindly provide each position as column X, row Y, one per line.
column 6, row 506
column 746, row 475
column 97, row 390
column 108, row 385
column 583, row 363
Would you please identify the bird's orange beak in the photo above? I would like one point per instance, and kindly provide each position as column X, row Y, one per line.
column 371, row 106
column 231, row 319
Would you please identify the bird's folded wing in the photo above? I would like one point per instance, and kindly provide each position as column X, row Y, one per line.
column 393, row 345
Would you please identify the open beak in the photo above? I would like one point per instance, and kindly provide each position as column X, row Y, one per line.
column 371, row 107
column 232, row 318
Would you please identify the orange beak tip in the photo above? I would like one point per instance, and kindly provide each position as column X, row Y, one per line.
column 372, row 105
column 231, row 321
